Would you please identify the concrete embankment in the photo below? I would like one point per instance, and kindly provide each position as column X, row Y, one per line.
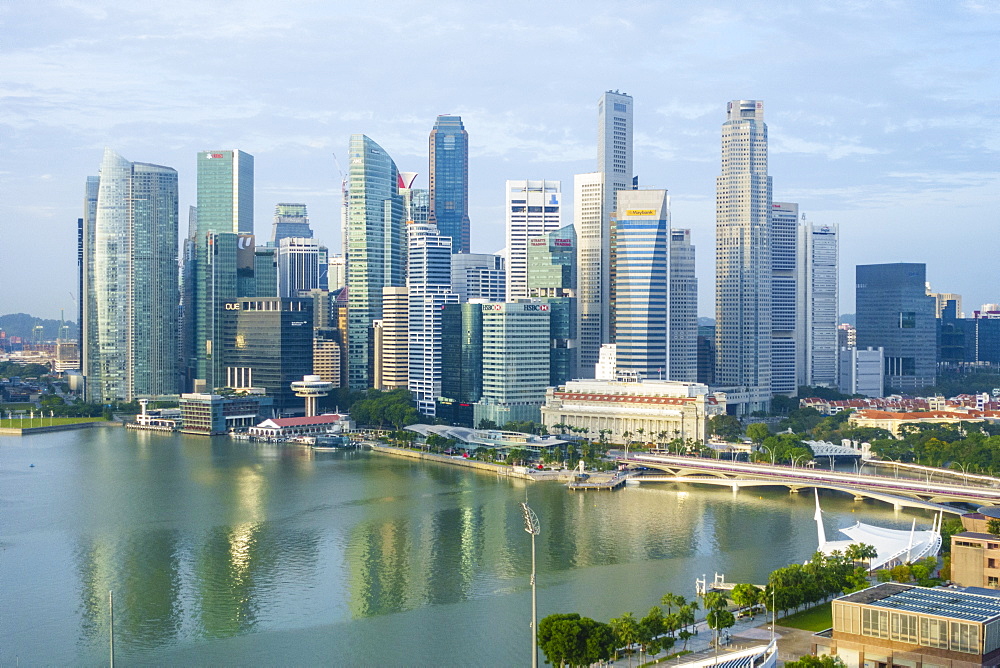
column 519, row 472
column 7, row 431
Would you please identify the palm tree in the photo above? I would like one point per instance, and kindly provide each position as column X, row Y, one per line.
column 626, row 630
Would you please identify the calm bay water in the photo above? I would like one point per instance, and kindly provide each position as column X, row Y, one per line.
column 224, row 552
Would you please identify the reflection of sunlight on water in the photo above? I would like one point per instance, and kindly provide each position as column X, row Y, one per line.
column 240, row 542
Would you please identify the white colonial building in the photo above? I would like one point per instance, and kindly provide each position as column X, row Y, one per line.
column 662, row 410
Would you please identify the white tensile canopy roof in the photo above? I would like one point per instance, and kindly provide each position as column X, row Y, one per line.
column 894, row 546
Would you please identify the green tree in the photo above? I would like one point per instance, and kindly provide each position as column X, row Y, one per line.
column 652, row 628
column 725, row 426
column 626, row 630
column 569, row 639
column 757, row 432
column 993, row 527
column 719, row 619
column 813, row 661
column 747, row 595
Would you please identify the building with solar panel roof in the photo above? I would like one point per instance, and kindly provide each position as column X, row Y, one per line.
column 896, row 625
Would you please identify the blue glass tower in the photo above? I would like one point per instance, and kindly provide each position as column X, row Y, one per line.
column 449, row 181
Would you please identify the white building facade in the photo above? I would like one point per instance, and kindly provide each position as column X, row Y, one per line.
column 683, row 335
column 429, row 286
column 743, row 258
column 650, row 411
column 533, row 210
column 817, row 304
column 784, row 353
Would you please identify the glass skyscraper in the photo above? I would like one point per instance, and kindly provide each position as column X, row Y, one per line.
column 290, row 220
column 225, row 211
column 449, row 181
column 376, row 247
column 131, row 282
column 552, row 280
column 640, row 283
column 895, row 313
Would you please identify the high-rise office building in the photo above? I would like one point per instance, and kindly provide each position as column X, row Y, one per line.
column 448, row 202
column 784, row 238
column 595, row 200
column 376, row 247
column 478, row 276
column 390, row 341
column 817, row 305
column 941, row 300
column 895, row 313
column 533, row 210
column 85, row 251
column 640, row 283
column 131, row 282
column 614, row 146
column 428, row 281
column 462, row 347
column 593, row 269
column 743, row 294
column 302, row 266
column 225, row 211
column 290, row 220
column 269, row 345
column 515, row 362
column 552, row 281
column 682, row 337
column 265, row 271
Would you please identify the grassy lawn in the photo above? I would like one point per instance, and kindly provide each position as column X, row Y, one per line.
column 818, row 618
column 45, row 422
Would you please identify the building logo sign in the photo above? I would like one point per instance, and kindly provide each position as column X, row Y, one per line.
column 232, row 306
column 538, row 242
column 536, row 307
column 640, row 212
column 564, row 242
column 214, row 156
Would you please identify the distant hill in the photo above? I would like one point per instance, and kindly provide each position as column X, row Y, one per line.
column 23, row 325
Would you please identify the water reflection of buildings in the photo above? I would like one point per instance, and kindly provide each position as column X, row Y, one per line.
column 219, row 578
column 142, row 573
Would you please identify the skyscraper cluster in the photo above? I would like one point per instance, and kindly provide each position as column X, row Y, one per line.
column 473, row 337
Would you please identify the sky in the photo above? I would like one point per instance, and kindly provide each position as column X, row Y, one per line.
column 882, row 116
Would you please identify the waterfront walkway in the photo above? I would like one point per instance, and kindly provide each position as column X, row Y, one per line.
column 792, row 643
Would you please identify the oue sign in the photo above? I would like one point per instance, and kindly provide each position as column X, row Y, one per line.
column 232, row 306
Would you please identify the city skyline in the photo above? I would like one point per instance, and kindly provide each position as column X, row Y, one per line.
column 888, row 155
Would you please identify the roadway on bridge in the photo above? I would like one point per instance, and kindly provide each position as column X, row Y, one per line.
column 897, row 491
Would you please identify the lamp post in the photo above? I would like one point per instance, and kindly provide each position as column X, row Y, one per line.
column 531, row 526
column 797, row 458
column 770, row 452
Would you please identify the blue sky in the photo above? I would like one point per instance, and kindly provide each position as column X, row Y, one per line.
column 882, row 116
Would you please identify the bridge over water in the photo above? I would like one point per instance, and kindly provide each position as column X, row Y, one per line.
column 899, row 492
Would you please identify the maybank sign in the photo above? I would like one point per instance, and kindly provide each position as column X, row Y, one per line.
column 645, row 213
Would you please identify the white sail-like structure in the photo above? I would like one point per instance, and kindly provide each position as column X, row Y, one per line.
column 893, row 546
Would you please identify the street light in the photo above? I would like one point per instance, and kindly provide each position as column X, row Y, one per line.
column 797, row 458
column 770, row 451
column 531, row 526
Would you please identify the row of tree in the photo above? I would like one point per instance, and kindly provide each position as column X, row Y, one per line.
column 572, row 640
